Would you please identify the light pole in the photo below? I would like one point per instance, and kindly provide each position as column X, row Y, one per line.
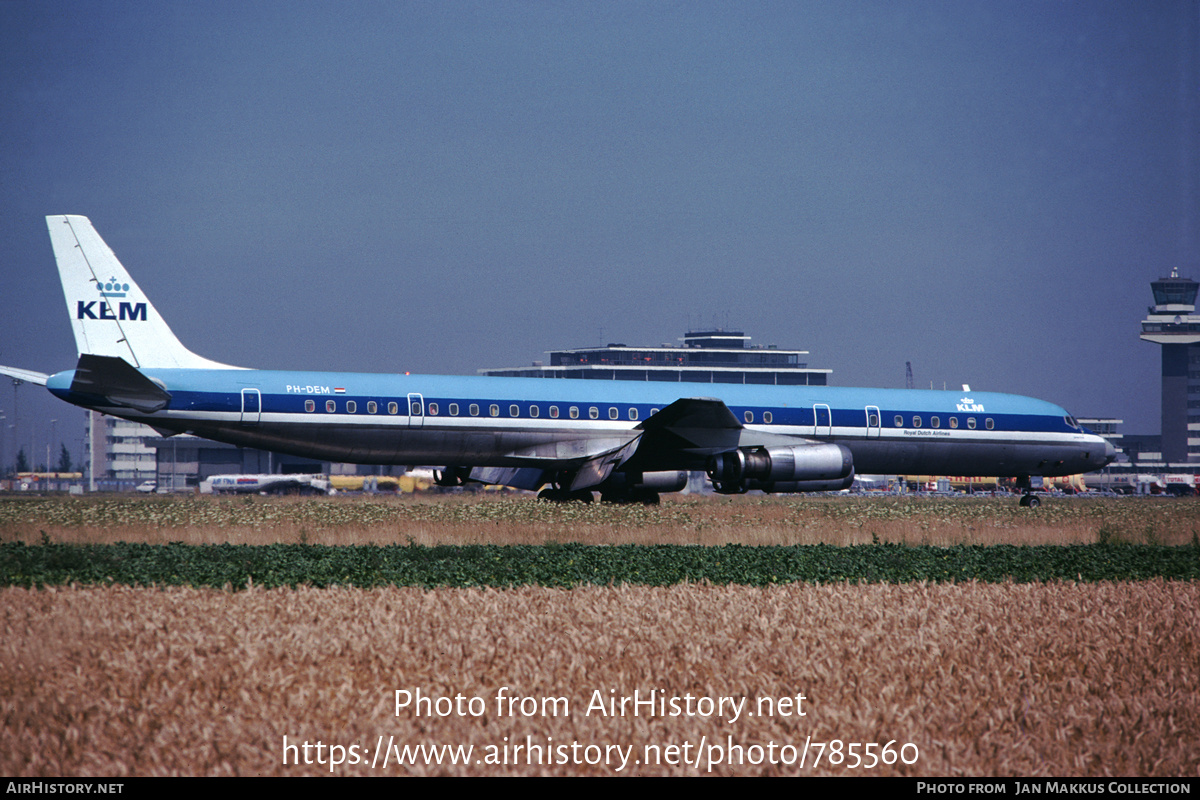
column 50, row 445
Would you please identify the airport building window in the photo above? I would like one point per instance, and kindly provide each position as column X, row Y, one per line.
column 393, row 408
column 534, row 411
column 935, row 422
column 594, row 412
column 954, row 422
column 351, row 407
column 612, row 412
column 433, row 409
column 971, row 423
column 748, row 416
column 474, row 409
column 989, row 424
column 454, row 409
column 899, row 420
column 574, row 412
column 916, row 422
column 632, row 412
column 767, row 417
column 554, row 412
column 372, row 407
column 514, row 410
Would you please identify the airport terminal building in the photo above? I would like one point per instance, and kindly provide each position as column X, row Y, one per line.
column 705, row 356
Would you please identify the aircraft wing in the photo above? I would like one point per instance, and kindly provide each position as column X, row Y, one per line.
column 590, row 461
column 27, row 375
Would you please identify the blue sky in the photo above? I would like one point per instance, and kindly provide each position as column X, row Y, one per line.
column 983, row 189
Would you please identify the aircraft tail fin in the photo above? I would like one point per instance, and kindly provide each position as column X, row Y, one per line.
column 109, row 314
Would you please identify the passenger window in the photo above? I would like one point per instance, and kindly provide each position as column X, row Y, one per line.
column 474, row 409
column 574, row 412
column 748, row 416
column 494, row 410
column 351, row 406
column 935, row 422
column 393, row 408
column 309, row 405
column 553, row 412
column 971, row 423
column 612, row 412
column 989, row 424
column 514, row 410
column 414, row 408
column 767, row 417
column 533, row 411
column 330, row 406
column 454, row 409
column 433, row 409
column 653, row 411
column 872, row 419
column 899, row 420
column 916, row 422
column 632, row 412
column 372, row 407
column 954, row 422
column 594, row 412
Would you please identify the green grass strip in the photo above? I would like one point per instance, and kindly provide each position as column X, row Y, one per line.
column 567, row 565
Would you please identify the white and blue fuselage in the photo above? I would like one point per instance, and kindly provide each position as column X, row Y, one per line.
column 625, row 439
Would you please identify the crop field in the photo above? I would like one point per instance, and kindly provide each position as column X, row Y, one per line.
column 507, row 520
column 888, row 662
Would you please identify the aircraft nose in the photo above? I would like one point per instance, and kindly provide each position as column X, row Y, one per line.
column 1110, row 453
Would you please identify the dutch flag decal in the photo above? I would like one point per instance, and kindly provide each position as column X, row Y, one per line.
column 339, row 390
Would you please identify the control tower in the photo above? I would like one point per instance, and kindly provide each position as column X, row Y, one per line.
column 1174, row 324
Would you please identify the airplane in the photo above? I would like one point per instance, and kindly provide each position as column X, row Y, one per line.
column 629, row 441
column 264, row 484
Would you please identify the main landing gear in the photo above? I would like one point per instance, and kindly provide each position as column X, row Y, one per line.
column 566, row 495
column 647, row 497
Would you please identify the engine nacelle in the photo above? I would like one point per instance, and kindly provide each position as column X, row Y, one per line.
column 669, row 481
column 802, row 468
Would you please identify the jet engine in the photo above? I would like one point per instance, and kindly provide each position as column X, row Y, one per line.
column 802, row 468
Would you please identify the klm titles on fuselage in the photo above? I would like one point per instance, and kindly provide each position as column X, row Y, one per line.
column 970, row 406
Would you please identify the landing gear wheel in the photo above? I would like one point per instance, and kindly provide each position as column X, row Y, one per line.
column 1030, row 501
column 565, row 495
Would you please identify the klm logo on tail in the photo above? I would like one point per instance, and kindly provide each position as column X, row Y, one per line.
column 111, row 289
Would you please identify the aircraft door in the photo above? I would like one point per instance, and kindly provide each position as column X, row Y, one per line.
column 251, row 407
column 416, row 410
column 823, row 420
column 873, row 422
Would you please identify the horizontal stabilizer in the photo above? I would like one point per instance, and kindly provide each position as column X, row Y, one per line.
column 113, row 378
column 27, row 375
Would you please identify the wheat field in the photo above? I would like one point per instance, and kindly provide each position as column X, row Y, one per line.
column 1036, row 679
